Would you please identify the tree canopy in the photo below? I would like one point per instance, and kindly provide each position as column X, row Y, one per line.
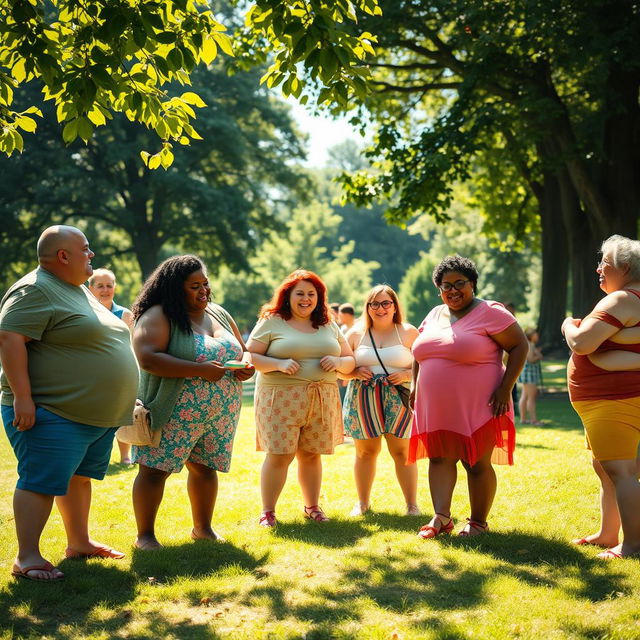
column 95, row 59
column 218, row 198
column 547, row 93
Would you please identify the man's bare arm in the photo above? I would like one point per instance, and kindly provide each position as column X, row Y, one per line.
column 15, row 360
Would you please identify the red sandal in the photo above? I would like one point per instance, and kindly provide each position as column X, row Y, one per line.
column 429, row 531
column 268, row 519
column 315, row 513
column 474, row 525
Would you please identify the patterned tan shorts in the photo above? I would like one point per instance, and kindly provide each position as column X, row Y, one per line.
column 304, row 416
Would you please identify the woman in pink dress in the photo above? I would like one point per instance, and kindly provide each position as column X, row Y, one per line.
column 461, row 394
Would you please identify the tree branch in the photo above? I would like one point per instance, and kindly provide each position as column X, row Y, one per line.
column 404, row 67
column 429, row 86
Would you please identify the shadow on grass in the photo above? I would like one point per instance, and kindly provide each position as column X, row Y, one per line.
column 35, row 609
column 535, row 446
column 525, row 553
column 404, row 581
column 196, row 559
column 345, row 532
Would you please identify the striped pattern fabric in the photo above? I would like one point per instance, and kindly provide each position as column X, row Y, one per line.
column 373, row 408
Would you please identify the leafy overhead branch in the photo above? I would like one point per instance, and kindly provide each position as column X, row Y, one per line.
column 98, row 58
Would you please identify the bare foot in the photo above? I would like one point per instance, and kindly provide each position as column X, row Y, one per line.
column 92, row 549
column 206, row 534
column 596, row 540
column 147, row 543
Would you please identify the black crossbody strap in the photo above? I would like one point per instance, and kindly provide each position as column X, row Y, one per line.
column 373, row 344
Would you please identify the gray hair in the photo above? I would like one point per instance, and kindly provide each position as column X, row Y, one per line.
column 101, row 272
column 625, row 252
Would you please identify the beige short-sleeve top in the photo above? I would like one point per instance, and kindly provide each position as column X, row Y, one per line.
column 283, row 341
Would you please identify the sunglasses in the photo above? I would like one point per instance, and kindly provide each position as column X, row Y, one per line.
column 385, row 304
column 458, row 285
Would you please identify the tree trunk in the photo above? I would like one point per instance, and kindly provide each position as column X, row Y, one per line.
column 555, row 264
column 583, row 242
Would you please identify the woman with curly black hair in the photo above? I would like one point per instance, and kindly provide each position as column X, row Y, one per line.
column 189, row 351
column 463, row 410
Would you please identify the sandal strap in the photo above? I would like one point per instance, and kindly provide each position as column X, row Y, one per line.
column 267, row 516
column 315, row 513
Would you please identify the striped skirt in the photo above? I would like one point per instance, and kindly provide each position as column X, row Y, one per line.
column 373, row 408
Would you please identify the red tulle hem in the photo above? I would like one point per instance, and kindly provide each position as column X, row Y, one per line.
column 497, row 433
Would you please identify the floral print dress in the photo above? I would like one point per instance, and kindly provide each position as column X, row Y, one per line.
column 203, row 423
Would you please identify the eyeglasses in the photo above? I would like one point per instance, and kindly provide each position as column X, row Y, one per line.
column 458, row 285
column 602, row 263
column 385, row 304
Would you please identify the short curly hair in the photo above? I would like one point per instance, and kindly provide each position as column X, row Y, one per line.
column 625, row 252
column 165, row 287
column 465, row 266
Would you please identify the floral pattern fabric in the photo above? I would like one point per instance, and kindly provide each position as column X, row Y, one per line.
column 203, row 423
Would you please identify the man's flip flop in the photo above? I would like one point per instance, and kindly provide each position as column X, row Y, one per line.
column 584, row 541
column 17, row 572
column 609, row 554
column 100, row 552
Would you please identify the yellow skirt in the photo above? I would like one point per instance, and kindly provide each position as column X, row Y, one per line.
column 612, row 427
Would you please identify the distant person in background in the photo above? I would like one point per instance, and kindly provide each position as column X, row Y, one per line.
column 373, row 406
column 60, row 350
column 511, row 308
column 334, row 307
column 346, row 317
column 298, row 350
column 531, row 379
column 103, row 286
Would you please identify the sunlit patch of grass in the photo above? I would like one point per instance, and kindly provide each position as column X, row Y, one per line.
column 368, row 577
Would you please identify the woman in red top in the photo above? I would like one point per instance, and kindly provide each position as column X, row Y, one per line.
column 608, row 402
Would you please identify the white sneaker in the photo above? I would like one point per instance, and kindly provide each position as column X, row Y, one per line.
column 413, row 510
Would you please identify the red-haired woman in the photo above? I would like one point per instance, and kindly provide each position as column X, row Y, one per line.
column 298, row 351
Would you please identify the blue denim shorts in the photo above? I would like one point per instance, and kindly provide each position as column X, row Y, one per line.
column 55, row 449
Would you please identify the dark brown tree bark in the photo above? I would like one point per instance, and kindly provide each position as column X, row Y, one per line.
column 555, row 263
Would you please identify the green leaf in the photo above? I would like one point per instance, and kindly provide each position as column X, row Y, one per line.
column 26, row 123
column 193, row 98
column 139, row 34
column 165, row 37
column 224, row 42
column 174, row 59
column 154, row 161
column 70, row 131
column 85, row 128
column 209, row 51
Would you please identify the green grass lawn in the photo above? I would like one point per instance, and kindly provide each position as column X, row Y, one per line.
column 351, row 578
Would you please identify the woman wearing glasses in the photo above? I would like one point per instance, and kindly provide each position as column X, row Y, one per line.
column 373, row 405
column 462, row 394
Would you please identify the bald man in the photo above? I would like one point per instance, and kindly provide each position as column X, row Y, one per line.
column 62, row 352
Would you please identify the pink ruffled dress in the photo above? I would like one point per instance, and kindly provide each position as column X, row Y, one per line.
column 460, row 368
